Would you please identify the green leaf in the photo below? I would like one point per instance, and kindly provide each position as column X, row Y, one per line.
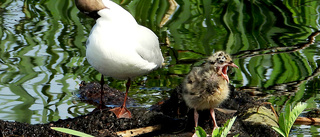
column 294, row 115
column 223, row 131
column 282, row 122
column 288, row 117
column 217, row 132
column 279, row 131
column 200, row 132
column 228, row 126
column 71, row 132
column 236, row 135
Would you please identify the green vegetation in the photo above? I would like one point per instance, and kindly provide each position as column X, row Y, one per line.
column 71, row 132
column 219, row 132
column 288, row 117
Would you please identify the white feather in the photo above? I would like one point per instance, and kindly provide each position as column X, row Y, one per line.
column 119, row 47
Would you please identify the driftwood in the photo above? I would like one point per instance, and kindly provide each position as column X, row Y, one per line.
column 307, row 121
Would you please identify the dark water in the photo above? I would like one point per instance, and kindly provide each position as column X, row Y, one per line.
column 42, row 52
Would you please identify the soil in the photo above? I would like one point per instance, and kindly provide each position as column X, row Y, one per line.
column 170, row 117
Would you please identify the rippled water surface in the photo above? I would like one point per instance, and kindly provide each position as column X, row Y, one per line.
column 42, row 52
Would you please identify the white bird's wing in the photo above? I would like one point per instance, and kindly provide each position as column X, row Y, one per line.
column 149, row 48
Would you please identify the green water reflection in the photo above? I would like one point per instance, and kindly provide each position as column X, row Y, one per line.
column 42, row 52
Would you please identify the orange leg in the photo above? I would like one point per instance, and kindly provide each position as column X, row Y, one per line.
column 123, row 112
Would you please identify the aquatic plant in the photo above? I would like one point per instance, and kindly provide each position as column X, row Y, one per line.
column 288, row 117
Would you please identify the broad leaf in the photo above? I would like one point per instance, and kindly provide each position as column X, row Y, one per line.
column 293, row 115
column 288, row 117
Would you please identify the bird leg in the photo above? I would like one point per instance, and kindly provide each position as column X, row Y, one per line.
column 214, row 119
column 196, row 117
column 101, row 90
column 101, row 103
column 123, row 112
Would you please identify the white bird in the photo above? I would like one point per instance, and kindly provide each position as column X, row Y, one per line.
column 119, row 47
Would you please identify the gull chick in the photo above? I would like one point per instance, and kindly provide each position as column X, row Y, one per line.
column 206, row 87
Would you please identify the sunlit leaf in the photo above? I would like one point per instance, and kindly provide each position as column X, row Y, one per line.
column 279, row 131
column 200, row 132
column 228, row 126
column 216, row 132
column 295, row 112
column 288, row 117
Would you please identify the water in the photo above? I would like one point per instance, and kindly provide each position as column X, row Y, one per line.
column 42, row 52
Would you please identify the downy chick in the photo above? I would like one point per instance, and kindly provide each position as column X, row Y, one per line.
column 207, row 86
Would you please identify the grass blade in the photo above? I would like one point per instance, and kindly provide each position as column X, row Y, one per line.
column 71, row 132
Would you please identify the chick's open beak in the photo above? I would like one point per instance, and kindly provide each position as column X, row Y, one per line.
column 233, row 65
column 225, row 69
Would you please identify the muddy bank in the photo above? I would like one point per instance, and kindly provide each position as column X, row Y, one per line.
column 167, row 118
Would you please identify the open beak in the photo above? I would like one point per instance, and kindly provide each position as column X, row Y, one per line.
column 224, row 70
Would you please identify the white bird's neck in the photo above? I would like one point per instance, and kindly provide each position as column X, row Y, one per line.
column 115, row 13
